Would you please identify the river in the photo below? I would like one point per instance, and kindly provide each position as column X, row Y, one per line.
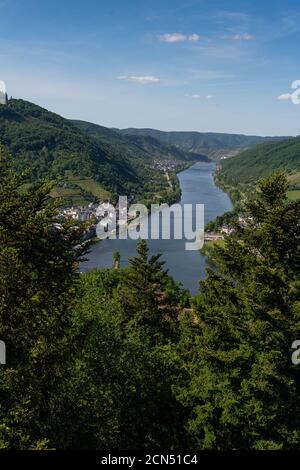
column 197, row 186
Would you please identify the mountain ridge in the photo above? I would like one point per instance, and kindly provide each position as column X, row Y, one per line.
column 213, row 144
column 146, row 143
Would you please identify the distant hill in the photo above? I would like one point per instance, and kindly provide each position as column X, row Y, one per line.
column 212, row 144
column 245, row 169
column 139, row 146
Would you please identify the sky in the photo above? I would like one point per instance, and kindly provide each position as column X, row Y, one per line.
column 206, row 65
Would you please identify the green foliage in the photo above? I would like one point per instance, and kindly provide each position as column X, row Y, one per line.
column 144, row 151
column 261, row 161
column 150, row 298
column 122, row 386
column 294, row 195
column 244, row 389
column 211, row 144
column 122, row 358
column 122, row 383
column 38, row 275
column 80, row 372
column 144, row 146
column 53, row 146
column 225, row 219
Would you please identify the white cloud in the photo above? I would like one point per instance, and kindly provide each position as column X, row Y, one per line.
column 178, row 37
column 193, row 37
column 199, row 97
column 285, row 97
column 143, row 80
column 242, row 37
column 174, row 37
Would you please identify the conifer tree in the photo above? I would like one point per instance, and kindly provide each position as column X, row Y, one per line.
column 123, row 382
column 39, row 256
column 244, row 389
column 149, row 296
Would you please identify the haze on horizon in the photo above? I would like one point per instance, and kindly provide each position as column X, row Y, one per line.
column 222, row 66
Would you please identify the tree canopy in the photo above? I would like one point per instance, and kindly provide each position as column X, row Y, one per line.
column 124, row 357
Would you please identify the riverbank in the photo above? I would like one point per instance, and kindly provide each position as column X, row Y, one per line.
column 187, row 267
column 171, row 196
column 222, row 222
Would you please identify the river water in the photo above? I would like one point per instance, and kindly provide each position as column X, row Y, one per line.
column 188, row 267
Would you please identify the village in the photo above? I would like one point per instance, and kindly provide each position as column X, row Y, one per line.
column 165, row 165
column 103, row 212
column 223, row 231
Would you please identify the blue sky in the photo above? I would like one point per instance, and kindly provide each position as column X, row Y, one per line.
column 172, row 65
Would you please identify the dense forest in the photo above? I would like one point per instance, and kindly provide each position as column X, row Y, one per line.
column 141, row 146
column 125, row 358
column 240, row 173
column 88, row 164
column 262, row 160
column 212, row 144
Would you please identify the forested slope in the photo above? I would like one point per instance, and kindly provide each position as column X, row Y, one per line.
column 244, row 170
column 52, row 146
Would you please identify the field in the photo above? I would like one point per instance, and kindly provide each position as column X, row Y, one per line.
column 79, row 191
column 293, row 195
column 91, row 186
column 70, row 196
column 294, row 192
column 294, row 179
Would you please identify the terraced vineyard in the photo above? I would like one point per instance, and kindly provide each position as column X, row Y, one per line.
column 79, row 191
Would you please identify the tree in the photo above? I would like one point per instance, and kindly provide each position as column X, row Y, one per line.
column 39, row 255
column 122, row 385
column 244, row 389
column 149, row 296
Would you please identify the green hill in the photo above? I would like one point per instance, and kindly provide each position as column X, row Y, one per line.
column 245, row 169
column 88, row 165
column 211, row 144
column 139, row 146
